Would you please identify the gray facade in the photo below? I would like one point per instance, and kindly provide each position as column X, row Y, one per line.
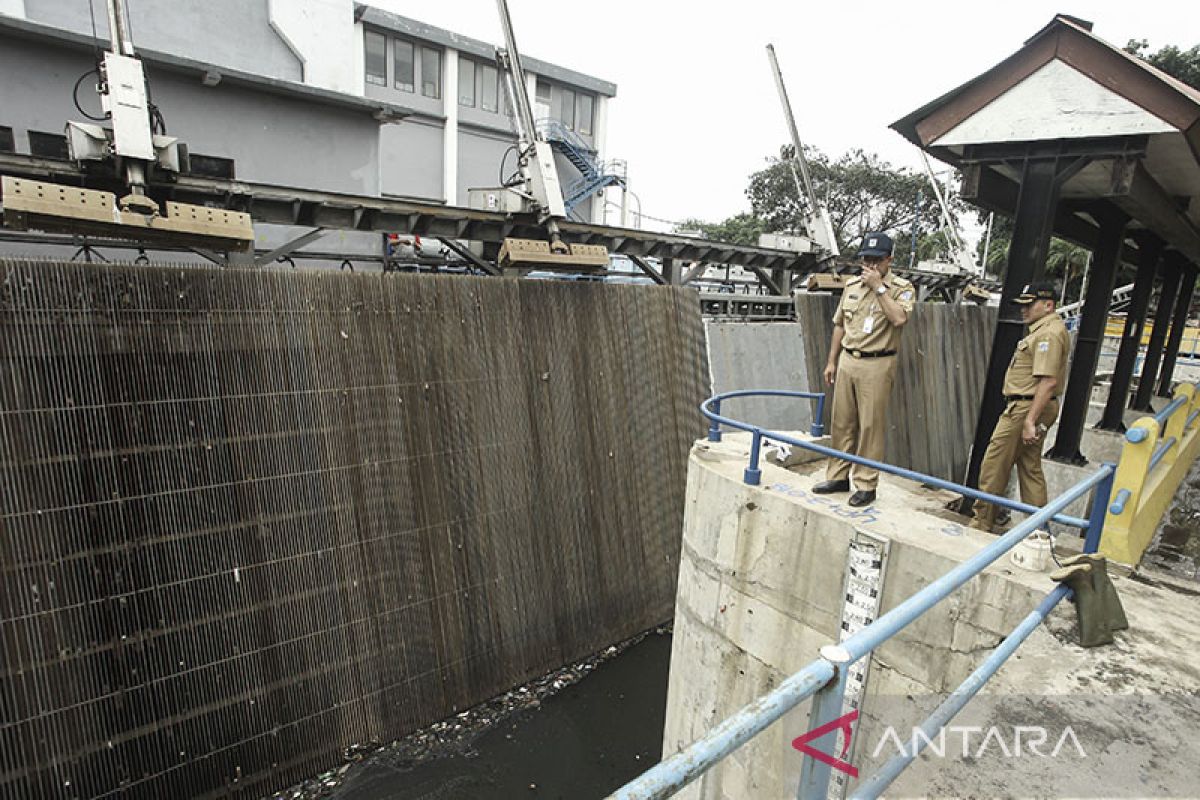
column 229, row 33
column 270, row 138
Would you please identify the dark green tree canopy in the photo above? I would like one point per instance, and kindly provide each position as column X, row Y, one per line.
column 861, row 191
column 1183, row 65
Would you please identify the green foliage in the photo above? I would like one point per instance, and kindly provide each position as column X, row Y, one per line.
column 1065, row 262
column 741, row 228
column 861, row 191
column 1183, row 65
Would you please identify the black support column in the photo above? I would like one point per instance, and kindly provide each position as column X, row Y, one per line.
column 1154, row 350
column 1183, row 304
column 670, row 271
column 1094, row 317
column 1042, row 175
column 1149, row 253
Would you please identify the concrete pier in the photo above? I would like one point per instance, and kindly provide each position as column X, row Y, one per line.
column 761, row 590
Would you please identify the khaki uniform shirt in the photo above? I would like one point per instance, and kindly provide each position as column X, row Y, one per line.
column 1041, row 354
column 867, row 328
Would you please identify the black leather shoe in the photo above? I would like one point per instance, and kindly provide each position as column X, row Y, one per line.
column 829, row 487
column 863, row 497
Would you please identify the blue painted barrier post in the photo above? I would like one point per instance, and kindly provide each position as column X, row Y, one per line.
column 1100, row 497
column 818, row 425
column 753, row 474
column 714, row 428
column 826, row 708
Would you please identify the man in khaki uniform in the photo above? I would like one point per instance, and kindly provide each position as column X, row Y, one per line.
column 862, row 364
column 1036, row 376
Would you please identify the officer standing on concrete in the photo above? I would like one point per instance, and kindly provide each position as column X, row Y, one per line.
column 862, row 365
column 1036, row 376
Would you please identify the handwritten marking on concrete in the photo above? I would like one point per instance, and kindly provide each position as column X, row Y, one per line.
column 866, row 515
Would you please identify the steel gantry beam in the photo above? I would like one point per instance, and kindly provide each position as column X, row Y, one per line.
column 285, row 205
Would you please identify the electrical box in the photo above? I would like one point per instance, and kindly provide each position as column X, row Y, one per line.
column 126, row 103
column 792, row 242
column 498, row 200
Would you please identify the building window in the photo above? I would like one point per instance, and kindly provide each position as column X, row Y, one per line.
column 584, row 108
column 489, row 84
column 566, row 108
column 376, row 58
column 431, row 72
column 406, row 79
column 48, row 145
column 466, row 83
column 8, row 143
column 210, row 166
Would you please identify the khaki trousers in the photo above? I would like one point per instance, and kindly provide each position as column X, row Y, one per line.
column 1005, row 449
column 859, row 425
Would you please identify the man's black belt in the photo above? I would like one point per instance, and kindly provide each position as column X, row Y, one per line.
column 876, row 354
column 1008, row 398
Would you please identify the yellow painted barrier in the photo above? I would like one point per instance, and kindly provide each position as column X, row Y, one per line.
column 1150, row 487
column 1189, row 345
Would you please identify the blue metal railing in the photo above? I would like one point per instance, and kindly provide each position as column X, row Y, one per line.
column 711, row 408
column 1118, row 506
column 825, row 678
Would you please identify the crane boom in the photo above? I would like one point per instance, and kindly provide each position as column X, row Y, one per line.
column 820, row 227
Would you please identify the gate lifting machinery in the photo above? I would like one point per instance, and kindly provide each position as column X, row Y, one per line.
column 132, row 150
column 537, row 191
column 816, row 217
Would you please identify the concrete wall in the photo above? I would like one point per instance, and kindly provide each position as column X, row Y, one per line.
column 410, row 159
column 322, row 35
column 252, row 517
column 761, row 590
column 229, row 33
column 760, row 355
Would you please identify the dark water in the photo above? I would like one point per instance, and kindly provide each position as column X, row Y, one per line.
column 583, row 742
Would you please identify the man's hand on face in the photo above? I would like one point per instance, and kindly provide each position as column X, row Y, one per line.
column 871, row 276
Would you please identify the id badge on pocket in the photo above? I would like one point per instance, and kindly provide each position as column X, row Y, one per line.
column 869, row 323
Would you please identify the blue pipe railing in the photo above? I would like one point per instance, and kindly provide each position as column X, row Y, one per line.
column 1118, row 506
column 875, row 785
column 825, row 678
column 1160, row 452
column 1162, row 416
column 711, row 409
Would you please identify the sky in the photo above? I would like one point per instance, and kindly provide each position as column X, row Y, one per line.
column 697, row 112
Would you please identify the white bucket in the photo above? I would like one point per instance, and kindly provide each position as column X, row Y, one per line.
column 1033, row 553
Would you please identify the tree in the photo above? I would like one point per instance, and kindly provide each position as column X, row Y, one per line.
column 741, row 228
column 1183, row 65
column 1065, row 262
column 861, row 192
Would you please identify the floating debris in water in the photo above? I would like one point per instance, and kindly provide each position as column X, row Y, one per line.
column 456, row 735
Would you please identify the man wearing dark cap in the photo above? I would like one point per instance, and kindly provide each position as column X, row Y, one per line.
column 1036, row 376
column 862, row 365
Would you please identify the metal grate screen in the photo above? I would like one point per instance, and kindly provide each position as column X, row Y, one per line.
column 252, row 517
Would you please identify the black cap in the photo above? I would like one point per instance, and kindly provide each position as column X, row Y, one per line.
column 1041, row 290
column 875, row 245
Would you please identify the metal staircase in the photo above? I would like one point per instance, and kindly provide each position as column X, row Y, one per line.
column 594, row 175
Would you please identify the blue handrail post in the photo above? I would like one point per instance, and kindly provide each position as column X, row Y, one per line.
column 826, row 707
column 1100, row 497
column 818, row 425
column 753, row 474
column 714, row 428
